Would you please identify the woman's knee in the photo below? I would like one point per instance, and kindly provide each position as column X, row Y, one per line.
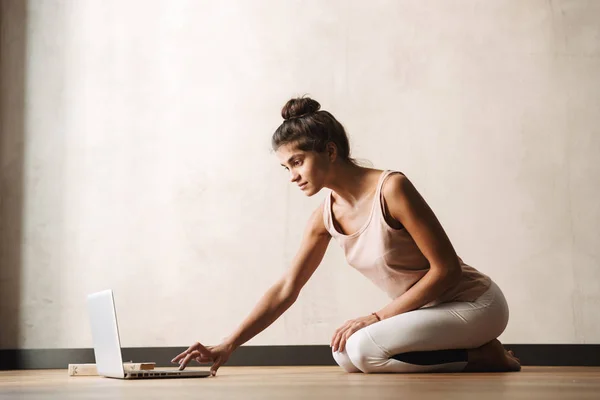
column 342, row 359
column 364, row 353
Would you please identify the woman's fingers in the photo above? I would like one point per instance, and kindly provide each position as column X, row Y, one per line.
column 337, row 335
column 338, row 339
column 179, row 356
column 188, row 358
column 336, row 346
column 334, row 342
column 195, row 347
column 342, row 342
column 215, row 366
column 345, row 337
column 334, row 336
column 183, row 354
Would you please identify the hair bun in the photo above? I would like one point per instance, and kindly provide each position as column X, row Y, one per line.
column 299, row 107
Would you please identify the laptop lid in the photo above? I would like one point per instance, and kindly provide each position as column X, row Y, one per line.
column 105, row 334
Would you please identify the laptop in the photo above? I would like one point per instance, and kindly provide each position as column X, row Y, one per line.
column 107, row 345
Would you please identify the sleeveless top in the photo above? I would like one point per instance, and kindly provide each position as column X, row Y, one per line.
column 390, row 258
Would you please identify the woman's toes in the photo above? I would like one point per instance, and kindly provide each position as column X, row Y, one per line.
column 512, row 355
column 514, row 365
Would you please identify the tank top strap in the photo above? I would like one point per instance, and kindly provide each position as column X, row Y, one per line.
column 379, row 194
column 384, row 176
column 327, row 219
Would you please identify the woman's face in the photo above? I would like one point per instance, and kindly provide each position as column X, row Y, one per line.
column 307, row 169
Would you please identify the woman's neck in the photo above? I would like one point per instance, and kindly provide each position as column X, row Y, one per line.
column 351, row 183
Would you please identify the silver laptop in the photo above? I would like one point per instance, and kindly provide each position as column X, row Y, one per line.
column 107, row 345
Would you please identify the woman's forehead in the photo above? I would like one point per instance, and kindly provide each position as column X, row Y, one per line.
column 287, row 151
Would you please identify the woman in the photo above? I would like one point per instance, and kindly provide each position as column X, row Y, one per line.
column 444, row 314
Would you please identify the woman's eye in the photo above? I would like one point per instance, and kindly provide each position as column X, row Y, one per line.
column 297, row 163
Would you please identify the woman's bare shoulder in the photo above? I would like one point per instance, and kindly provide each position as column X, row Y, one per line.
column 316, row 222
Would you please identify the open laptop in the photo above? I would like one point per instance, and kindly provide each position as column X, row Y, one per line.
column 107, row 345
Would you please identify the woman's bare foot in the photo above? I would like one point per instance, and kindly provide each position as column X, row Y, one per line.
column 491, row 357
column 512, row 354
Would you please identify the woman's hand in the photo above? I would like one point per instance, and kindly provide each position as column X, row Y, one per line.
column 342, row 334
column 218, row 355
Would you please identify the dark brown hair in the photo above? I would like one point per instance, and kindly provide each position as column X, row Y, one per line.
column 310, row 128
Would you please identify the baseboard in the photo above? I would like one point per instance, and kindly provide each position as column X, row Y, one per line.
column 530, row 354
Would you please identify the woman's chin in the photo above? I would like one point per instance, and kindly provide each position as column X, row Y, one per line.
column 309, row 192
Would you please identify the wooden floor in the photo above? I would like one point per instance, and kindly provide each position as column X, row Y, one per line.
column 311, row 383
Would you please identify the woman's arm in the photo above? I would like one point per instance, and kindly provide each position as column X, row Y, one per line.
column 408, row 207
column 286, row 290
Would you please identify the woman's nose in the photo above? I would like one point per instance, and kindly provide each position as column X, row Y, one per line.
column 294, row 176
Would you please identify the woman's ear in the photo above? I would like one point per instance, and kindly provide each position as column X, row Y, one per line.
column 331, row 149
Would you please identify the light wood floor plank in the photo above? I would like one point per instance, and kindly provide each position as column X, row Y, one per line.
column 546, row 383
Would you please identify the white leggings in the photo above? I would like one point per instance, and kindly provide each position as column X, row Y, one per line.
column 458, row 325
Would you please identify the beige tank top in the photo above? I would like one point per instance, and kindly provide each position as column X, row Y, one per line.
column 390, row 258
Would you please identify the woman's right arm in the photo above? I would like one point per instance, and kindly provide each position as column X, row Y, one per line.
column 275, row 301
column 286, row 290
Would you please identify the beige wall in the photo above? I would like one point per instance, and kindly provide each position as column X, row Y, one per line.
column 135, row 156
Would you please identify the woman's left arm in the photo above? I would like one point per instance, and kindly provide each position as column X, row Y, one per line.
column 408, row 207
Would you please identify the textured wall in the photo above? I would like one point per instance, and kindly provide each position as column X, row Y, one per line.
column 135, row 156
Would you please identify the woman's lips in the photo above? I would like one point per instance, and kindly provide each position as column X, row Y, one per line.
column 303, row 185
